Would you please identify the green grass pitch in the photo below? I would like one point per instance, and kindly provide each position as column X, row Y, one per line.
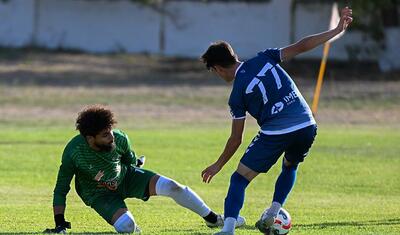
column 349, row 184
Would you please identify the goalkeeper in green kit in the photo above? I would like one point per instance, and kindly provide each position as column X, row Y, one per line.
column 106, row 172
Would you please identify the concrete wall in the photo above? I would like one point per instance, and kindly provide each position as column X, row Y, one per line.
column 311, row 19
column 248, row 27
column 16, row 23
column 188, row 27
column 390, row 59
column 102, row 26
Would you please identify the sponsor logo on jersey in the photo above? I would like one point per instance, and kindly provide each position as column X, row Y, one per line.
column 290, row 98
column 111, row 184
column 99, row 175
column 278, row 107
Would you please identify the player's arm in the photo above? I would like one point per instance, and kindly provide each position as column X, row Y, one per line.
column 61, row 224
column 231, row 146
column 129, row 157
column 315, row 40
column 64, row 177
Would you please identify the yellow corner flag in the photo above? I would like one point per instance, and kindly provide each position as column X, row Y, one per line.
column 335, row 18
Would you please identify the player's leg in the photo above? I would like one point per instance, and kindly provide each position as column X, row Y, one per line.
column 113, row 209
column 234, row 200
column 184, row 196
column 299, row 144
column 142, row 183
column 135, row 184
column 259, row 157
column 283, row 186
column 124, row 222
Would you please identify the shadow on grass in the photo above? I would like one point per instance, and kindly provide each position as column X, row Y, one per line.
column 167, row 231
column 185, row 231
column 350, row 223
column 88, row 233
column 251, row 227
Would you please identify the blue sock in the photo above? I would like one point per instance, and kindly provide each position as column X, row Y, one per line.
column 285, row 183
column 235, row 198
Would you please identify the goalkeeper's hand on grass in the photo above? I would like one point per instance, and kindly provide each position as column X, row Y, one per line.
column 61, row 225
column 58, row 229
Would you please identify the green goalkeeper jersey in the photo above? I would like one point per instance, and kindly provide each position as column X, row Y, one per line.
column 96, row 173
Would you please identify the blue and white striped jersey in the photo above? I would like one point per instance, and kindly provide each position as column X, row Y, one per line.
column 264, row 90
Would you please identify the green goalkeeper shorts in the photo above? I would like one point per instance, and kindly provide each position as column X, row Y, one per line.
column 134, row 185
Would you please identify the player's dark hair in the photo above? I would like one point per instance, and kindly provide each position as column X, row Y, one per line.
column 93, row 119
column 219, row 53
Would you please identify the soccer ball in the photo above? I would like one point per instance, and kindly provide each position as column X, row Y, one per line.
column 282, row 223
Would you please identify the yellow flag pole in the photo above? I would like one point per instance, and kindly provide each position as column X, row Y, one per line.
column 322, row 67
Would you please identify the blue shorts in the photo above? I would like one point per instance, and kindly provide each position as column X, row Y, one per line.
column 265, row 150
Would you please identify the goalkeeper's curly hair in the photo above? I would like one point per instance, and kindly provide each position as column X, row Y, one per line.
column 93, row 119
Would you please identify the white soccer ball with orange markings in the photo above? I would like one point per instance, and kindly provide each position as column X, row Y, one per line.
column 282, row 223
